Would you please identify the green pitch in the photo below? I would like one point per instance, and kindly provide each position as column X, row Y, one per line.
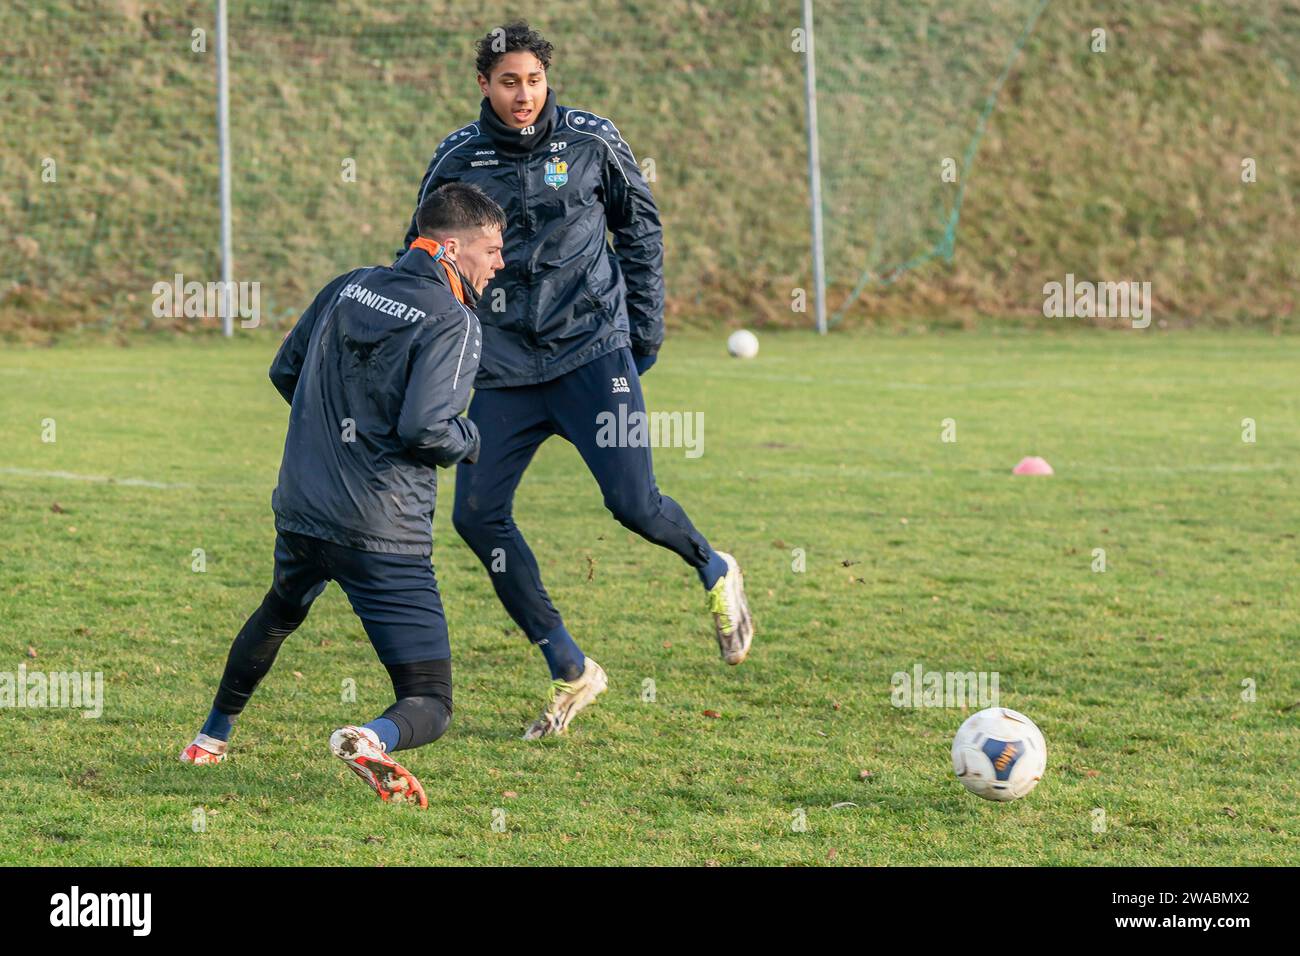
column 1167, row 685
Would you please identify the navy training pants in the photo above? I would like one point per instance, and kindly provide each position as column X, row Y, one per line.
column 513, row 423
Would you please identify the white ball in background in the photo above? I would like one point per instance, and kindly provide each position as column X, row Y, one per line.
column 742, row 344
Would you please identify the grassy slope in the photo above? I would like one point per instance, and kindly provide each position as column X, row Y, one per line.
column 1134, row 675
column 1115, row 166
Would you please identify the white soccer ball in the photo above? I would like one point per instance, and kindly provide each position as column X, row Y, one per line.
column 742, row 344
column 999, row 754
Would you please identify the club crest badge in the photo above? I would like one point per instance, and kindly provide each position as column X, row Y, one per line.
column 557, row 173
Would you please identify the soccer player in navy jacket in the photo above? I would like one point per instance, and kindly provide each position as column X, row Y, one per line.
column 376, row 374
column 569, row 325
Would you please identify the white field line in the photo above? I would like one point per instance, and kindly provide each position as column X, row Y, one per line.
column 71, row 476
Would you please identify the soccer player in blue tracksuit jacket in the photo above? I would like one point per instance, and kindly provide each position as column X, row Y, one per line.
column 376, row 373
column 569, row 325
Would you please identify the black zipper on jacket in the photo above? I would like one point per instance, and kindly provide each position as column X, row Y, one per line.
column 529, row 325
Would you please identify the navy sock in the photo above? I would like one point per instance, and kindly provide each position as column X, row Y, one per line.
column 715, row 569
column 387, row 731
column 218, row 725
column 563, row 656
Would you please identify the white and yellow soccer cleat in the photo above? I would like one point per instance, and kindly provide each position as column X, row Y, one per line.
column 360, row 749
column 567, row 698
column 204, row 750
column 732, row 623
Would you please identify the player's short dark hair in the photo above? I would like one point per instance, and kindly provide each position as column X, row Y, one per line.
column 454, row 208
column 514, row 36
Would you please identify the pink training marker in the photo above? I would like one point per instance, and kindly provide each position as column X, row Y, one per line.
column 1032, row 466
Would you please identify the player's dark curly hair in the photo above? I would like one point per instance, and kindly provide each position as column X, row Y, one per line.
column 517, row 35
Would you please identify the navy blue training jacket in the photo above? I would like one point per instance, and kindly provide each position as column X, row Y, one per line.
column 566, row 296
column 376, row 372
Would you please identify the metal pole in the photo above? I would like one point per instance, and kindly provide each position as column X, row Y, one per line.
column 814, row 170
column 223, row 147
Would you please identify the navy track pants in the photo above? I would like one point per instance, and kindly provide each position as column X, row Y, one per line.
column 513, row 423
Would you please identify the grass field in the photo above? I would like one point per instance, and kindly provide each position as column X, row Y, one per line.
column 917, row 551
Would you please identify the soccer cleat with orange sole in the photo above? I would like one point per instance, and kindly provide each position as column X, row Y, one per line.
column 361, row 750
column 204, row 750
